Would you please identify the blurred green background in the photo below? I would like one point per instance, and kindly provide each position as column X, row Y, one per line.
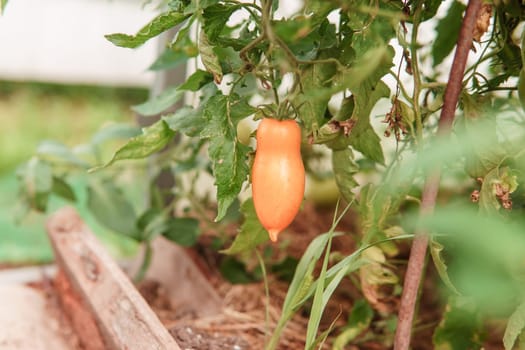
column 34, row 112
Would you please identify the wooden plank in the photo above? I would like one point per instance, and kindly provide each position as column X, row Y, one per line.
column 123, row 316
column 171, row 264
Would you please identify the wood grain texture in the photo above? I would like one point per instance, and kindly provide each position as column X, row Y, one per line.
column 123, row 316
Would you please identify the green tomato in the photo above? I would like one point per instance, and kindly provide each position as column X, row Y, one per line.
column 244, row 131
column 323, row 192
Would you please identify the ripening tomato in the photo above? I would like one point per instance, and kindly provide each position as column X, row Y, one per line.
column 277, row 174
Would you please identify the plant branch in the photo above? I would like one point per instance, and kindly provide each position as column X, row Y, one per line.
column 415, row 72
column 416, row 261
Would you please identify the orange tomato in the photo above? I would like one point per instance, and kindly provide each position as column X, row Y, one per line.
column 277, row 174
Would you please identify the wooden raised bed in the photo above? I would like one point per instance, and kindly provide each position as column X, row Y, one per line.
column 104, row 307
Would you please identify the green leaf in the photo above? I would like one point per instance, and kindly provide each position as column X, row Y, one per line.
column 3, row 4
column 111, row 208
column 368, row 68
column 179, row 51
column 314, row 78
column 460, row 327
column 55, row 151
column 62, row 189
column 430, row 8
column 488, row 202
column 483, row 151
column 222, row 113
column 153, row 139
column 484, row 251
column 377, row 203
column 117, row 131
column 151, row 224
column 363, row 137
column 158, row 25
column 515, row 326
column 305, row 36
column 447, row 31
column 183, row 231
column 36, row 177
column 187, row 120
column 284, row 270
column 209, row 58
column 318, row 304
column 196, row 5
column 160, row 103
column 358, row 322
column 302, row 280
column 435, row 250
column 235, row 271
column 197, row 80
column 344, row 169
column 169, row 59
column 251, row 233
column 215, row 19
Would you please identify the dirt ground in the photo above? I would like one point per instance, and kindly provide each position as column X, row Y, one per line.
column 29, row 320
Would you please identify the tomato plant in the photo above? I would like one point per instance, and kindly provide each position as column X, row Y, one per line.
column 331, row 69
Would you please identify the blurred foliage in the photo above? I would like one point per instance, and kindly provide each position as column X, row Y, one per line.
column 31, row 112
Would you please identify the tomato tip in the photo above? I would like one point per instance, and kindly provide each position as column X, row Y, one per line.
column 273, row 234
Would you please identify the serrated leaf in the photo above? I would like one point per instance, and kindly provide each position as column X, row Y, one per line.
column 515, row 326
column 111, row 208
column 183, row 231
column 179, row 50
column 62, row 189
column 363, row 137
column 315, row 78
column 153, row 139
column 344, row 169
column 158, row 25
column 215, row 18
column 228, row 156
column 209, row 58
column 447, row 30
column 305, row 36
column 197, row 80
column 435, row 250
column 251, row 234
column 160, row 103
column 187, row 120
